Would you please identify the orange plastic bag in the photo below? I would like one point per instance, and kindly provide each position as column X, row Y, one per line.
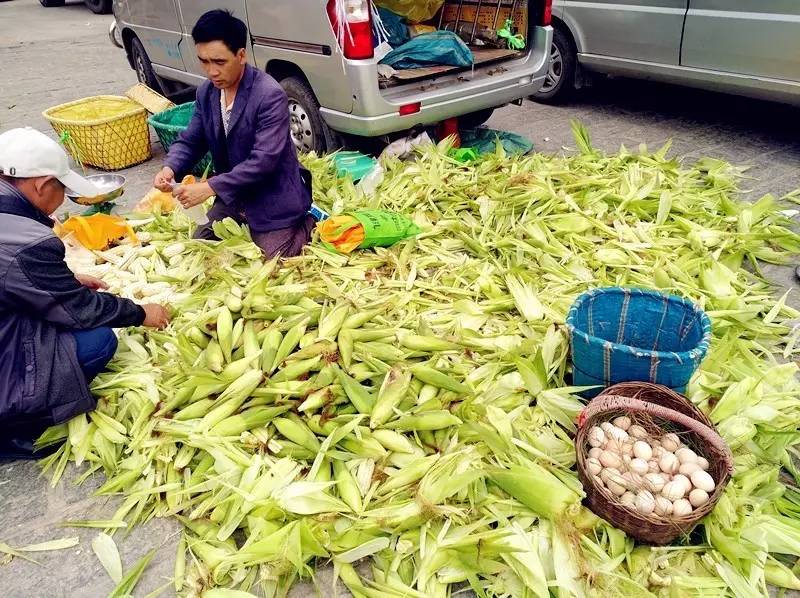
column 98, row 231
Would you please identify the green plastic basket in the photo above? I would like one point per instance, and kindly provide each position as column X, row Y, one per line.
column 168, row 125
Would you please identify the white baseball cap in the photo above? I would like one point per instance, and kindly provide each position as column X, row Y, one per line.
column 27, row 153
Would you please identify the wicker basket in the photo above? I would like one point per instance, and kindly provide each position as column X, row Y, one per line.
column 657, row 419
column 660, row 395
column 108, row 143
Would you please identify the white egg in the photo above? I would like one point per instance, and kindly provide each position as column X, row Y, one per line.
column 654, row 482
column 594, row 453
column 702, row 480
column 670, row 442
column 658, row 451
column 607, row 426
column 613, row 445
column 617, row 433
column 688, row 469
column 642, row 450
column 681, row 508
column 673, row 491
column 617, row 489
column 599, row 481
column 639, row 466
column 663, row 506
column 594, row 466
column 638, row 431
column 682, row 479
column 698, row 497
column 654, row 468
column 628, row 499
column 686, row 455
column 703, row 463
column 608, row 472
column 668, row 463
column 597, row 437
column 623, row 422
column 645, row 503
column 609, row 459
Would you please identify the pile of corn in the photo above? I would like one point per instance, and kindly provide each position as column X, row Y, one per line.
column 404, row 415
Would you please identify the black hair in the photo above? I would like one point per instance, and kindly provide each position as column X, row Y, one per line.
column 221, row 26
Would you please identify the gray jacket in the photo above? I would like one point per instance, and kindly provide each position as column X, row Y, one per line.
column 41, row 381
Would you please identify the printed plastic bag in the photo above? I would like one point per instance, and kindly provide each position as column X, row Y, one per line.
column 415, row 11
column 365, row 229
column 440, row 48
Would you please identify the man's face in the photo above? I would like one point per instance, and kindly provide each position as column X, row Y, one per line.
column 222, row 67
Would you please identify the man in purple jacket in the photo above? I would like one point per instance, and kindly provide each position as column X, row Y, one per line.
column 242, row 117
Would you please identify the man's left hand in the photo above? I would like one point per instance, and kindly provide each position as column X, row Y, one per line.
column 90, row 282
column 192, row 195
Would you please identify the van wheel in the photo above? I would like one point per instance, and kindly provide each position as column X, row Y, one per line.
column 309, row 131
column 100, row 7
column 560, row 81
column 143, row 66
column 51, row 3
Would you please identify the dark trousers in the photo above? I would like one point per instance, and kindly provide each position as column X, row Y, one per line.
column 286, row 242
column 94, row 348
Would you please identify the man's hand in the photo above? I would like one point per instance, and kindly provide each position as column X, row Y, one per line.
column 155, row 316
column 164, row 179
column 90, row 282
column 192, row 195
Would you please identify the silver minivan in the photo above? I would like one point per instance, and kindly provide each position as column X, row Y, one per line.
column 745, row 47
column 338, row 86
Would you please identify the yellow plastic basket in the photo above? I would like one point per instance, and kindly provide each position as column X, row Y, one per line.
column 107, row 132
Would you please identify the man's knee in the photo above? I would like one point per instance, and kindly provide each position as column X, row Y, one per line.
column 108, row 344
column 95, row 349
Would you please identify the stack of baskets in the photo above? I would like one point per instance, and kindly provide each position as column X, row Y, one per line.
column 659, row 410
column 107, row 132
column 170, row 123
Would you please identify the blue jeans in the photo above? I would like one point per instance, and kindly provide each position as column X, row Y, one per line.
column 96, row 348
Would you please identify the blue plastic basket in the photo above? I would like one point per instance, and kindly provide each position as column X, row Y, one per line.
column 628, row 335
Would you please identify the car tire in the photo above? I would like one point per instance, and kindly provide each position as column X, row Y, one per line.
column 99, row 7
column 51, row 3
column 143, row 66
column 309, row 131
column 560, row 81
column 473, row 120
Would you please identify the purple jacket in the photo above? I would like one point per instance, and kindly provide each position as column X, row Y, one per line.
column 257, row 167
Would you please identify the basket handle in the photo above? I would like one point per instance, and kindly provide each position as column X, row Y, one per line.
column 616, row 402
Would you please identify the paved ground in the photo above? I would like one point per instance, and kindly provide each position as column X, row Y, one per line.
column 51, row 56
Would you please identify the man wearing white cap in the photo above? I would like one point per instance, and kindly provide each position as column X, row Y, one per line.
column 55, row 329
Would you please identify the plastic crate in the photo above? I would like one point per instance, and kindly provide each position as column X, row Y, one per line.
column 170, row 123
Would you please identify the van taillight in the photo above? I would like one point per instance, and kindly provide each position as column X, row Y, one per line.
column 547, row 14
column 356, row 36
